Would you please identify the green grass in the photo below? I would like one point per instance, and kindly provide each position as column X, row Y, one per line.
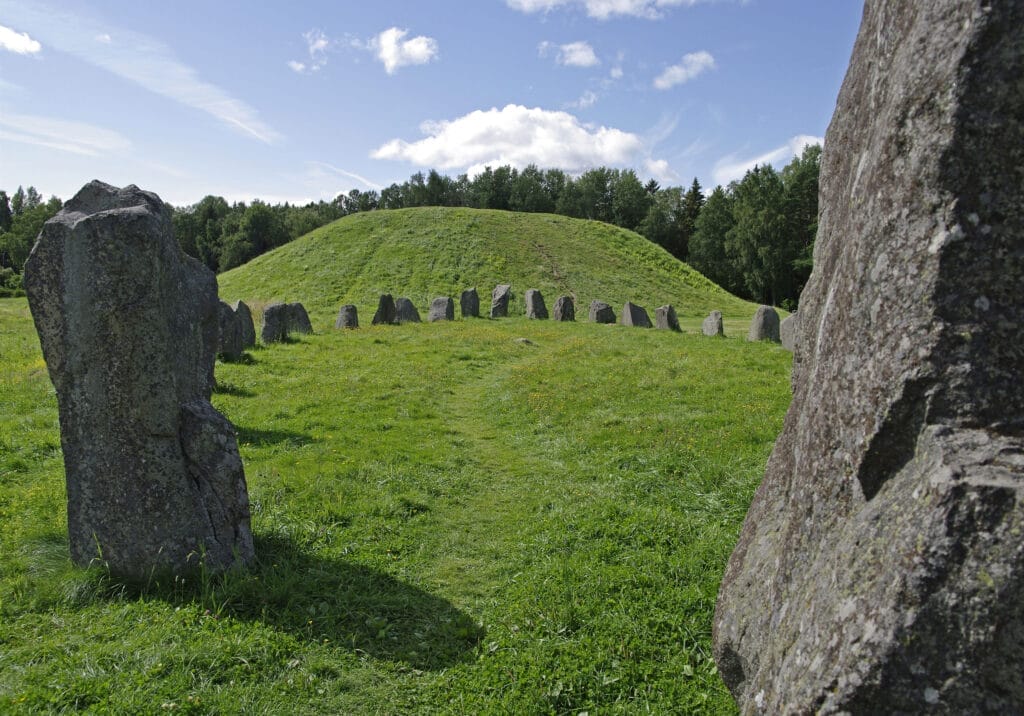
column 447, row 520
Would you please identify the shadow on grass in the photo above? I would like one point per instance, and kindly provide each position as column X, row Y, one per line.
column 256, row 436
column 224, row 388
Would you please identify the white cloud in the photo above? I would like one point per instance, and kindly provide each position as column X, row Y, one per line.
column 588, row 99
column 105, row 38
column 517, row 136
column 63, row 135
column 692, row 64
column 660, row 170
column 616, row 73
column 603, row 9
column 317, row 45
column 321, row 169
column 296, row 66
column 395, row 52
column 18, row 42
column 730, row 167
column 573, row 54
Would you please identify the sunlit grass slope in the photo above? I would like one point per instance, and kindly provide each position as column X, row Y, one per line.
column 429, row 252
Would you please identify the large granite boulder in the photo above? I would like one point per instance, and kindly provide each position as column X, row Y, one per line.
column 787, row 332
column 128, row 325
column 442, row 309
column 298, row 319
column 634, row 315
column 535, row 307
column 499, row 300
column 229, row 332
column 665, row 318
column 469, row 303
column 274, row 328
column 565, row 309
column 348, row 317
column 880, row 568
column 712, row 325
column 765, row 325
column 386, row 313
column 246, row 326
column 601, row 312
column 405, row 311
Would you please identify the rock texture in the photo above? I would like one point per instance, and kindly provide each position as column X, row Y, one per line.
column 405, row 312
column 535, row 307
column 129, row 327
column 880, row 568
column 442, row 309
column 298, row 319
column 712, row 325
column 636, row 316
column 565, row 309
column 765, row 325
column 665, row 318
column 601, row 312
column 275, row 323
column 499, row 300
column 787, row 332
column 348, row 317
column 386, row 313
column 245, row 323
column 469, row 303
column 229, row 332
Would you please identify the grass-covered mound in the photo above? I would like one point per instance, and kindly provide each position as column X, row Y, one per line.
column 429, row 252
column 447, row 520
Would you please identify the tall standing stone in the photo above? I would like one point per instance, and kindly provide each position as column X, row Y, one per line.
column 565, row 309
column 601, row 312
column 634, row 315
column 665, row 318
column 765, row 325
column 386, row 311
column 469, row 303
column 880, row 568
column 274, row 328
column 405, row 312
column 245, row 323
column 499, row 300
column 442, row 309
column 787, row 332
column 348, row 317
column 712, row 325
column 229, row 332
column 535, row 307
column 298, row 319
column 128, row 326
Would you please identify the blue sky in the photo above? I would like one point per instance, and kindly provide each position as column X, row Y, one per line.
column 300, row 101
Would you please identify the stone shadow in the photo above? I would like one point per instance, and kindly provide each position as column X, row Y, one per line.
column 257, row 436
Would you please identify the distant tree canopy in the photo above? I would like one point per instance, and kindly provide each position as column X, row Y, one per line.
column 21, row 219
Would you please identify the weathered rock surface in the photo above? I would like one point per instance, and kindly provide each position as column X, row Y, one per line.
column 565, row 309
column 348, row 317
column 634, row 315
column 405, row 312
column 129, row 328
column 601, row 312
column 665, row 318
column 275, row 323
column 386, row 313
column 712, row 325
column 245, row 323
column 469, row 303
column 442, row 309
column 229, row 332
column 535, row 307
column 787, row 332
column 499, row 300
column 298, row 319
column 880, row 568
column 765, row 325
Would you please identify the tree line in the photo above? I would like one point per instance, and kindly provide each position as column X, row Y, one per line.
column 753, row 237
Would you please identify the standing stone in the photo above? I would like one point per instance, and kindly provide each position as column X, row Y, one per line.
column 535, row 307
column 565, row 309
column 229, row 333
column 469, row 303
column 665, row 318
column 129, row 328
column 712, row 325
column 405, row 312
column 880, row 568
column 636, row 316
column 245, row 323
column 442, row 309
column 298, row 319
column 499, row 300
column 787, row 332
column 348, row 317
column 601, row 312
column 386, row 312
column 765, row 326
column 275, row 323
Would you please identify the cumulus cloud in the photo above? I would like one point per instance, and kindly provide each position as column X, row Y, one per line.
column 660, row 170
column 692, row 65
column 517, row 136
column 395, row 52
column 18, row 42
column 731, row 167
column 602, row 9
column 573, row 54
column 59, row 134
column 317, row 45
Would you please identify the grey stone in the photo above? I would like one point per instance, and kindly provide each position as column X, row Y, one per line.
column 245, row 323
column 405, row 312
column 469, row 303
column 565, row 309
column 128, row 325
column 634, row 315
column 665, row 318
column 442, row 309
column 787, row 332
column 275, row 323
column 229, row 332
column 535, row 307
column 712, row 325
column 386, row 312
column 601, row 312
column 765, row 325
column 499, row 300
column 348, row 317
column 880, row 568
column 298, row 319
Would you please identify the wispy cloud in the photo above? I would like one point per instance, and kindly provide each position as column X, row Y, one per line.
column 141, row 59
column 587, row 99
column 573, row 54
column 317, row 45
column 731, row 167
column 18, row 42
column 603, row 9
column 320, row 167
column 394, row 51
column 62, row 135
column 692, row 65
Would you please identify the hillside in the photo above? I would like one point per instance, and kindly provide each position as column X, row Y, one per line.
column 428, row 252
